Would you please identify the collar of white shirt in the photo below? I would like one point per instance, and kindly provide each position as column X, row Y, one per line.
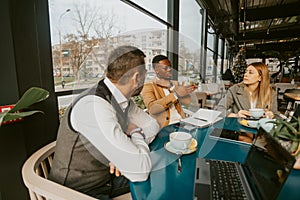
column 120, row 98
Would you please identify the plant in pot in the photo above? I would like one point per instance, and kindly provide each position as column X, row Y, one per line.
column 287, row 133
column 19, row 110
column 138, row 100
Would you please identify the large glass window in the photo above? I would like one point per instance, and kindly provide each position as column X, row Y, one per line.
column 83, row 33
column 211, row 38
column 219, row 59
column 226, row 57
column 156, row 7
column 211, row 67
column 189, row 40
column 209, row 78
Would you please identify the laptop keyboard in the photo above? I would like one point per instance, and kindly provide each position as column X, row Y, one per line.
column 225, row 181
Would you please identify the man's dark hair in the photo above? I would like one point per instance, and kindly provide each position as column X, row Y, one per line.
column 158, row 58
column 122, row 60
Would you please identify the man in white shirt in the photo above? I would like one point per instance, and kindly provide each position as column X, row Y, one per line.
column 104, row 126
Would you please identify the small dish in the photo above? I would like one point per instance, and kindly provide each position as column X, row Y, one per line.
column 252, row 118
column 249, row 123
column 171, row 149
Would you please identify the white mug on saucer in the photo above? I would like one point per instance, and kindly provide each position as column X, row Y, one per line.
column 180, row 140
column 256, row 112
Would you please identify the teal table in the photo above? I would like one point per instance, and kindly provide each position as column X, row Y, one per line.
column 165, row 182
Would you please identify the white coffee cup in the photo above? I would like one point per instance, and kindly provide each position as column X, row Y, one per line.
column 256, row 112
column 180, row 140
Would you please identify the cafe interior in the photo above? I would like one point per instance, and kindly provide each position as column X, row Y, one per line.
column 204, row 39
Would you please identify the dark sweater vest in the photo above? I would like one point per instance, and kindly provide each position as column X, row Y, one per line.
column 77, row 163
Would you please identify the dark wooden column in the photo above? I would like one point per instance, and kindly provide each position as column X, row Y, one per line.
column 25, row 54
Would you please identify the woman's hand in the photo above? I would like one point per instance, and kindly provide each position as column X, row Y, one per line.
column 243, row 114
column 269, row 114
column 240, row 114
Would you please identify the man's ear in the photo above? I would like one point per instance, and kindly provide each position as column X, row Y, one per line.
column 135, row 77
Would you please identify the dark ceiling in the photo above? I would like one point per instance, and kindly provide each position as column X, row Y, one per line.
column 259, row 25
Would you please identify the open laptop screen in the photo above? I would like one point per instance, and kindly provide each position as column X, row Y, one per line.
column 267, row 166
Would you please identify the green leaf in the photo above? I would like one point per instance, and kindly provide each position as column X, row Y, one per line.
column 284, row 135
column 12, row 116
column 31, row 96
column 294, row 146
column 290, row 126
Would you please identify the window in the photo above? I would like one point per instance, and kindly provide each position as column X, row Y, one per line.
column 157, row 7
column 80, row 46
column 210, row 38
column 88, row 40
column 210, row 62
column 209, row 78
column 189, row 39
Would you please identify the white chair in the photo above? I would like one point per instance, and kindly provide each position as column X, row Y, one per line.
column 35, row 173
column 215, row 92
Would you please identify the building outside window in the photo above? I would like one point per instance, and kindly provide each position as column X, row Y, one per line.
column 89, row 40
column 84, row 32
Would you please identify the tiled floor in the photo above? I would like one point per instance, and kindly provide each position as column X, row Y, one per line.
column 126, row 196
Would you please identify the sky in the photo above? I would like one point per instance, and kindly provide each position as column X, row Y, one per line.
column 128, row 19
column 134, row 21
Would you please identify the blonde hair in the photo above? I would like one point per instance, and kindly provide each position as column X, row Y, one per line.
column 264, row 90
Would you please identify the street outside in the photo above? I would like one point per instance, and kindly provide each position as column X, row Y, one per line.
column 64, row 101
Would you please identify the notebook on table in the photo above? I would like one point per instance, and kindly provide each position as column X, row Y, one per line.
column 262, row 175
column 203, row 118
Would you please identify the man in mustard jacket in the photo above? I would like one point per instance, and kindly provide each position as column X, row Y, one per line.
column 162, row 96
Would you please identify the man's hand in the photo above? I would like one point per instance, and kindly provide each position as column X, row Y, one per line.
column 114, row 170
column 182, row 90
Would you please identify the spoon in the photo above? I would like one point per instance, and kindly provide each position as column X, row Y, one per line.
column 179, row 166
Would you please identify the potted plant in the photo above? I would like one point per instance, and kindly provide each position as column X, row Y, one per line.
column 138, row 100
column 287, row 133
column 31, row 96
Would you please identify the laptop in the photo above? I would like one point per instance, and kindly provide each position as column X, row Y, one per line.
column 232, row 136
column 262, row 175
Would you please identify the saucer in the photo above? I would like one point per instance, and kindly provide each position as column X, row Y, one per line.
column 171, row 149
column 246, row 123
column 252, row 118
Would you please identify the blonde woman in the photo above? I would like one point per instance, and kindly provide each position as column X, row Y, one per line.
column 254, row 92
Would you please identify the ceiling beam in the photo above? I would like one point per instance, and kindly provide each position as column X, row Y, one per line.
column 292, row 48
column 279, row 11
column 279, row 46
column 276, row 34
